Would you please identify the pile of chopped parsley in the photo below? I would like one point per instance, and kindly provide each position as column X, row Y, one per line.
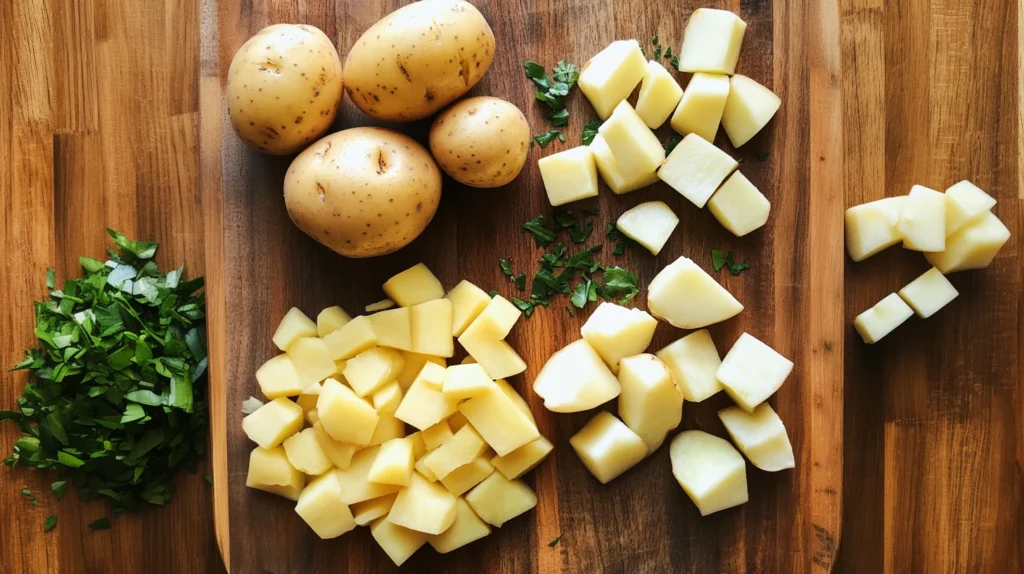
column 553, row 91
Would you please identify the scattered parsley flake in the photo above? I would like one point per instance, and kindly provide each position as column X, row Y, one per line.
column 672, row 142
column 51, row 523
column 492, row 293
column 208, row 478
column 590, row 131
column 59, row 488
column 720, row 260
column 555, row 541
column 674, row 62
column 520, row 281
column 506, row 267
column 537, row 227
column 101, row 523
column 547, row 137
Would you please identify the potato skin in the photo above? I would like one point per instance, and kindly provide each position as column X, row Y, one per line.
column 418, row 59
column 284, row 88
column 363, row 191
column 481, row 142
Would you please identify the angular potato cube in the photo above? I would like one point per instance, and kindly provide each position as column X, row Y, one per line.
column 388, row 427
column 928, row 293
column 321, row 507
column 608, row 447
column 305, row 454
column 610, row 76
column 495, row 322
column 612, row 174
column 393, row 328
column 397, row 542
column 367, row 511
column 413, row 365
column 965, row 202
column 461, row 449
column 575, row 379
column 688, row 298
column 739, row 206
column 498, row 358
column 701, row 107
column 466, row 381
column 339, row 453
column 387, row 398
column 615, row 332
column 424, row 405
column 659, row 94
column 295, row 325
column 413, row 286
column 749, row 107
column 693, row 361
column 467, row 528
column 569, row 175
column 436, row 435
column 382, row 305
column 278, row 378
column 372, row 369
column 523, row 459
column 760, row 436
column 421, row 467
column 882, row 319
column 711, row 42
column 432, row 328
column 752, row 371
column 923, row 220
column 351, row 339
column 312, row 360
column 468, row 301
column 393, row 464
column 419, row 447
column 500, row 421
column 635, row 147
column 513, row 396
column 355, row 483
column 711, row 472
column 872, row 227
column 423, row 506
column 345, row 416
column 275, row 421
column 270, row 471
column 498, row 499
column 650, row 224
column 650, row 403
column 330, row 320
column 467, row 476
column 696, row 168
column 973, row 246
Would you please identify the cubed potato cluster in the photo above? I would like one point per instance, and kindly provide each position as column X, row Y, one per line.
column 334, row 436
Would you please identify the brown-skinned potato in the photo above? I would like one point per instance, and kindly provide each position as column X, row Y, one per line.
column 481, row 141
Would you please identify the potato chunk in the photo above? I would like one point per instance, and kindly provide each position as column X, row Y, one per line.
column 393, row 328
column 608, row 447
column 393, row 464
column 712, row 42
column 495, row 322
column 650, row 403
column 387, row 398
column 414, row 363
column 432, row 328
column 748, row 109
column 460, row 450
column 468, row 301
column 305, row 454
column 928, row 293
column 923, row 220
column 270, row 471
column 388, row 427
column 500, row 421
column 696, row 168
column 710, row 470
column 275, row 421
column 688, row 298
column 367, row 511
column 752, row 371
column 423, row 506
column 693, row 361
column 650, row 224
column 498, row 499
column 467, row 528
column 345, row 416
column 321, row 507
column 659, row 94
column 312, row 360
column 397, row 542
column 355, row 483
column 278, row 378
column 351, row 339
column 424, row 404
column 330, row 320
column 413, row 286
column 739, row 206
column 436, row 435
column 466, row 381
column 569, row 175
column 293, row 326
column 635, row 147
column 575, row 379
column 760, row 436
column 372, row 369
column 701, row 107
column 882, row 319
column 523, row 459
column 498, row 358
column 611, row 172
column 610, row 76
column 467, row 476
column 965, row 202
column 339, row 453
column 615, row 332
column 872, row 227
column 973, row 246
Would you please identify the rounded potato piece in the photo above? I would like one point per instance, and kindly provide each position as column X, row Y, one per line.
column 481, row 141
column 364, row 191
column 284, row 88
column 418, row 59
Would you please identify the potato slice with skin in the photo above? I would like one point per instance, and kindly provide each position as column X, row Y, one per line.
column 712, row 42
column 397, row 542
column 330, row 320
column 877, row 322
column 569, row 175
column 367, row 511
column 650, row 224
column 413, row 286
column 659, row 94
column 964, row 203
column 688, row 298
column 393, row 328
column 467, row 528
column 321, row 507
column 711, row 472
column 974, row 246
column 650, row 404
column 739, row 206
column 279, row 378
column 294, row 325
column 615, row 332
column 423, row 506
column 345, row 416
column 424, row 404
column 500, row 421
column 607, row 447
column 466, row 381
column 611, row 172
column 748, row 109
column 872, row 227
column 523, row 459
column 610, row 76
column 498, row 499
column 355, row 484
column 393, row 463
column 372, row 369
column 923, row 220
column 700, row 110
column 431, row 328
column 467, row 476
column 339, row 453
column 353, row 338
column 272, row 423
column 928, row 293
column 760, row 436
column 461, row 449
column 305, row 454
column 693, row 361
column 270, row 471
column 575, row 379
column 468, row 301
column 312, row 360
column 635, row 147
column 752, row 371
column 696, row 168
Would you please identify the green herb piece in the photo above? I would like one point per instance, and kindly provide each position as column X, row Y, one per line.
column 553, row 91
column 537, row 227
column 619, row 284
column 569, row 310
column 654, row 40
column 611, row 231
column 720, row 259
column 620, row 248
column 492, row 293
column 672, row 142
column 526, row 307
column 537, row 74
column 506, row 267
column 545, row 138
column 565, row 219
column 580, row 235
column 59, row 488
column 101, row 523
column 208, row 478
column 555, row 541
column 594, row 212
column 51, row 277
column 590, row 131
column 657, row 52
column 26, row 493
column 741, row 159
column 737, row 268
column 762, row 155
column 566, row 73
column 559, row 119
column 668, row 52
column 51, row 523
column 674, row 62
column 520, row 281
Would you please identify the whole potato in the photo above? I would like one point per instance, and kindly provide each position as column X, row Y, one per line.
column 418, row 59
column 364, row 191
column 284, row 88
column 481, row 142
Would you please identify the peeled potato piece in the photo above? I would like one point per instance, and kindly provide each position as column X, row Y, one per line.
column 710, row 470
column 650, row 224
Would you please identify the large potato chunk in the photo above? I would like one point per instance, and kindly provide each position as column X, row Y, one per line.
column 364, row 191
column 693, row 361
column 423, row 506
column 418, row 59
column 345, row 416
column 923, row 220
column 687, row 297
column 710, row 470
column 873, row 226
column 575, row 379
column 650, row 404
column 413, row 286
column 752, row 371
column 270, row 471
column 481, row 141
column 877, row 322
column 398, row 542
column 608, row 447
column 498, row 499
column 749, row 107
column 321, row 507
column 467, row 528
column 610, row 76
column 712, row 42
column 615, row 332
column 275, row 421
column 973, row 246
column 760, row 435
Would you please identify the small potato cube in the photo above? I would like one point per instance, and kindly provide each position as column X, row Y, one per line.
column 419, row 447
column 964, row 203
column 760, row 436
column 312, row 360
column 466, row 381
column 700, row 110
column 393, row 464
column 436, row 435
column 569, row 175
column 610, row 76
column 424, row 405
column 500, row 421
column 278, row 378
column 752, row 371
column 339, row 453
column 424, row 506
column 635, row 147
column 872, row 227
column 711, row 42
column 650, row 404
column 397, row 542
column 351, row 339
column 275, row 421
column 688, row 298
column 467, row 528
column 382, row 305
column 523, row 459
column 467, row 476
column 387, row 398
column 612, row 174
column 928, row 293
column 710, row 470
column 650, row 224
column 270, row 471
column 575, row 379
column 498, row 499
column 321, row 507
column 468, row 301
column 388, row 427
column 305, row 454
column 659, row 94
column 330, row 320
column 882, row 319
column 615, row 332
column 693, row 361
column 696, row 168
column 608, row 447
column 345, row 416
column 495, row 322
column 372, row 369
column 432, row 328
column 393, row 328
column 367, row 511
column 355, row 483
column 974, row 246
column 295, row 325
column 749, row 107
column 739, row 206
column 413, row 365
column 413, row 286
column 461, row 449
column 923, row 220
column 498, row 358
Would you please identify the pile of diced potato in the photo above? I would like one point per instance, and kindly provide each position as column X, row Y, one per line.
column 343, row 392
column 955, row 230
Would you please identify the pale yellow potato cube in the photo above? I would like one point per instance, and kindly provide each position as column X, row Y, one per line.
column 635, row 147
column 345, row 416
column 615, row 332
column 467, row 528
column 424, row 506
column 397, row 542
column 659, row 94
column 928, row 293
column 387, row 398
column 612, row 174
column 696, row 168
column 711, row 42
column 650, row 224
column 608, row 447
column 872, row 227
column 305, row 454
column 419, row 447
column 393, row 328
column 367, row 511
column 749, row 107
column 308, row 402
column 382, row 305
column 421, row 467
column 278, row 378
column 372, row 369
column 739, row 206
column 388, row 427
column 321, row 507
column 752, row 371
column 393, row 464
column 355, row 482
column 460, row 480
column 498, row 499
column 523, row 459
column 701, row 107
column 270, row 471
column 413, row 286
column 760, row 436
column 275, row 421
column 974, row 246
column 339, row 453
column 461, row 449
column 693, row 361
column 495, row 322
column 688, row 298
column 466, row 381
column 575, row 379
column 569, row 175
column 424, row 405
column 413, row 365
column 711, row 472
column 293, row 326
column 436, row 435
column 882, row 319
column 650, row 403
column 610, row 76
column 351, row 339
column 923, row 220
column 498, row 358
column 500, row 421
column 330, row 320
column 432, row 328
column 513, row 395
column 964, row 203
column 312, row 360
column 456, row 421
column 468, row 301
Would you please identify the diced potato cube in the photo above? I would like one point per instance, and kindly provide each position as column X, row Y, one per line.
column 424, row 506
column 659, row 94
column 393, row 328
column 339, row 453
column 498, row 358
column 355, row 482
column 275, row 421
column 688, row 298
column 498, row 499
column 974, row 246
column 413, row 365
column 882, row 319
column 460, row 480
column 752, row 371
column 466, row 381
column 575, row 379
column 421, row 467
column 456, row 421
column 749, row 107
column 305, row 454
column 650, row 404
column 413, row 286
column 388, row 427
column 367, row 511
column 372, row 369
column 711, row 42
column 696, row 168
column 461, row 449
column 872, row 227
column 635, row 147
column 739, row 206
column 436, row 435
column 612, row 174
column 312, row 360
column 711, row 472
column 495, row 322
column 397, row 542
column 760, row 436
column 387, row 398
column 295, row 325
column 514, row 396
column 608, row 447
column 700, row 110
column 351, row 339
column 468, row 301
column 923, row 220
column 424, row 405
column 650, row 224
column 523, row 459
column 610, row 76
column 965, row 202
column 321, row 507
column 467, row 528
column 382, row 305
column 615, row 332
column 270, row 471
column 278, row 378
column 330, row 320
column 500, row 421
column 419, row 447
column 345, row 416
column 569, row 175
column 432, row 328
column 393, row 464
column 693, row 361
column 928, row 293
